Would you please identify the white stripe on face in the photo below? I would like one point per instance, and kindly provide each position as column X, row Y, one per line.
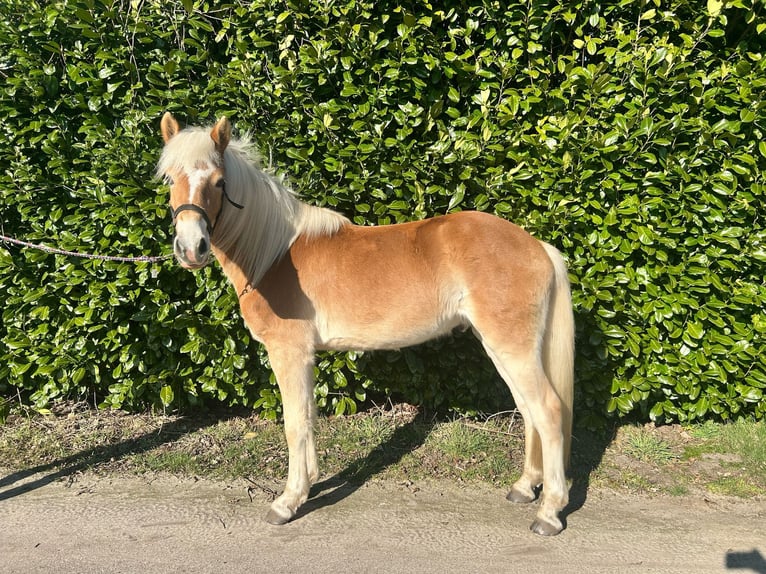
column 192, row 241
column 197, row 179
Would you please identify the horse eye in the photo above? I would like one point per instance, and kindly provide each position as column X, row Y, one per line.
column 220, row 183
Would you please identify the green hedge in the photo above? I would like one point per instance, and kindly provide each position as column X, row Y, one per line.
column 629, row 134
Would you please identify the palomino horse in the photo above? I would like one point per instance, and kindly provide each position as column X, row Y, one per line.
column 308, row 279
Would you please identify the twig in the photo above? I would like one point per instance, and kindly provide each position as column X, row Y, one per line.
column 479, row 427
column 513, row 412
column 272, row 494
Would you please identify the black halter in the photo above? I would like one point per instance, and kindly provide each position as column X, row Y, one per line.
column 197, row 209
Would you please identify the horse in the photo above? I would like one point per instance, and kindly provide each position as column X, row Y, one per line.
column 308, row 279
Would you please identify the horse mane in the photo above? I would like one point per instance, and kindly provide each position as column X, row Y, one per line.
column 272, row 216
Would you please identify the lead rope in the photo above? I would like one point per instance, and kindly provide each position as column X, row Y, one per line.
column 55, row 251
column 122, row 259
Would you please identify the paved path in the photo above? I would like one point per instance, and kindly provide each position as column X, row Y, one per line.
column 131, row 525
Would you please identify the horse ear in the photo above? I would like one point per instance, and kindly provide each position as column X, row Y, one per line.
column 169, row 127
column 221, row 134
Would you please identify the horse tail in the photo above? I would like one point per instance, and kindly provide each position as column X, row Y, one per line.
column 558, row 344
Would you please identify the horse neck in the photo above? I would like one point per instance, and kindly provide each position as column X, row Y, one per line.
column 248, row 241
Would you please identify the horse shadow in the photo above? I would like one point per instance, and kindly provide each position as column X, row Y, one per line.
column 405, row 439
column 590, row 438
column 27, row 480
column 588, row 450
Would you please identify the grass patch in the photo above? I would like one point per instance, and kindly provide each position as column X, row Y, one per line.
column 739, row 448
column 647, row 447
column 745, row 439
column 471, row 450
column 174, row 462
column 678, row 490
column 734, row 486
column 636, row 482
column 397, row 445
column 408, row 447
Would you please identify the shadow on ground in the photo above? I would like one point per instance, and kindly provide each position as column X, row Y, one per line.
column 588, row 448
column 343, row 484
column 588, row 451
column 753, row 561
column 17, row 483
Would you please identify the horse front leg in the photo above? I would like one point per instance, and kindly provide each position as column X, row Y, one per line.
column 294, row 369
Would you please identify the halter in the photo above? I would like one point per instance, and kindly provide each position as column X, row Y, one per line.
column 198, row 210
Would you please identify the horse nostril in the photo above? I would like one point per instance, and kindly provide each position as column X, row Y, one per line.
column 202, row 249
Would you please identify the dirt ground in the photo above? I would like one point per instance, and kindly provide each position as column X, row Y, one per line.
column 87, row 524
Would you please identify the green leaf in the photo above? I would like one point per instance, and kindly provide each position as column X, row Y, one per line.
column 695, row 330
column 649, row 14
column 747, row 116
column 714, row 7
column 166, row 395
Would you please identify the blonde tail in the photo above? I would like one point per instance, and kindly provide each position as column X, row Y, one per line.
column 558, row 344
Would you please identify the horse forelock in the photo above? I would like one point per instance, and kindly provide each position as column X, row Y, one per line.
column 187, row 151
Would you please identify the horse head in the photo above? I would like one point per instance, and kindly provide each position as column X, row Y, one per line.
column 194, row 168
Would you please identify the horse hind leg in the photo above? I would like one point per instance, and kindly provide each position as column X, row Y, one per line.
column 312, row 467
column 544, row 463
column 524, row 490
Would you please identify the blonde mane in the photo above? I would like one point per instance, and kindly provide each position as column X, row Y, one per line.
column 272, row 216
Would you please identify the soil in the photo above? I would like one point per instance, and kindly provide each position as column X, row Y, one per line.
column 88, row 523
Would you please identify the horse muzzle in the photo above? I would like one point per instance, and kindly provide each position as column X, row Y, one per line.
column 191, row 245
column 191, row 258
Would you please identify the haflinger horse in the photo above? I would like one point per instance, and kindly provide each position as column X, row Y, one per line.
column 308, row 279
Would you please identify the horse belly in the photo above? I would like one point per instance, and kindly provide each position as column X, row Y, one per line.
column 387, row 323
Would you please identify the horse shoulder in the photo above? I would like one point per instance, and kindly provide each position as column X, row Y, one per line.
column 278, row 306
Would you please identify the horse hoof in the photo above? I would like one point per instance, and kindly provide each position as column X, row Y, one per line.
column 544, row 528
column 275, row 518
column 520, row 497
